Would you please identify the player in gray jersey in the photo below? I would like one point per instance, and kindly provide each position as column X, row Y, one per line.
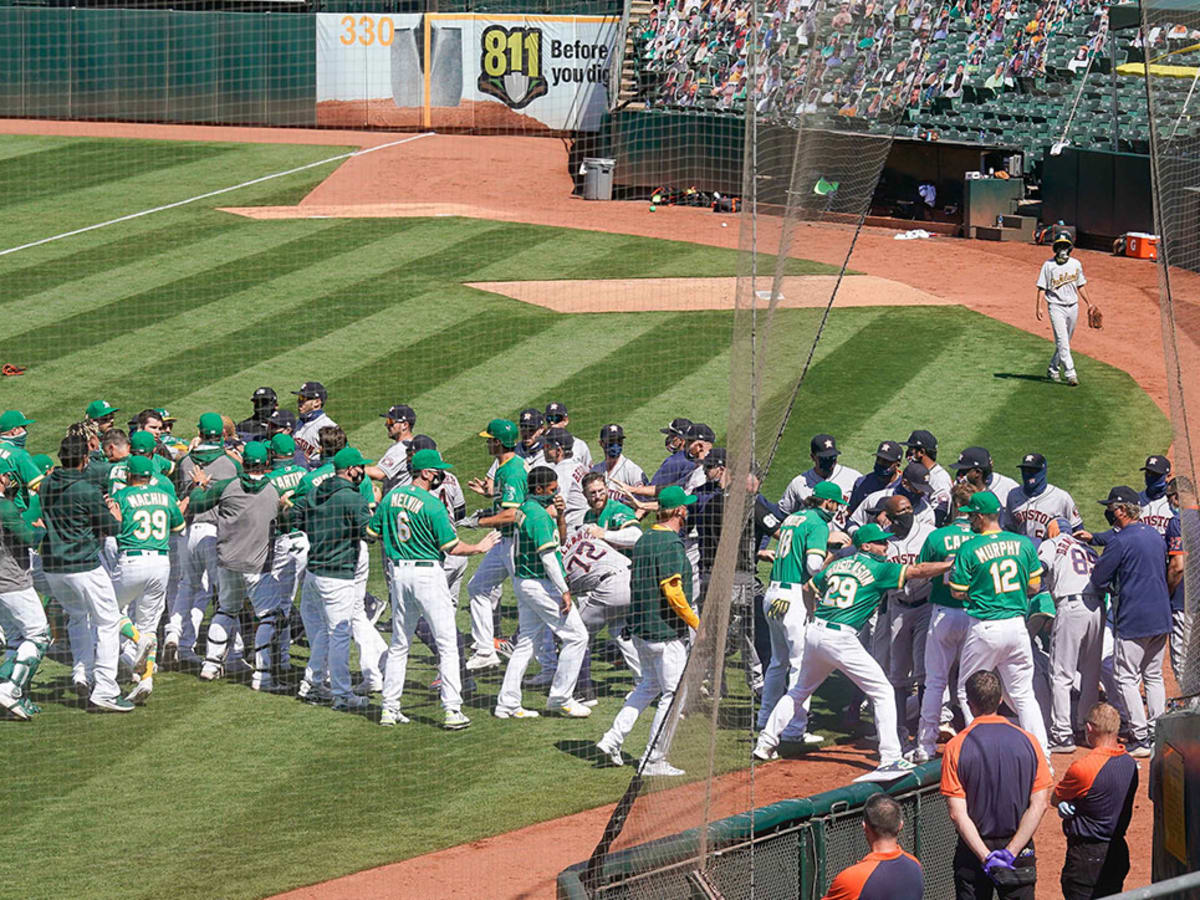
column 556, row 417
column 1077, row 639
column 922, row 448
column 391, row 469
column 1061, row 282
column 1036, row 503
column 974, row 465
column 824, row 454
column 619, row 471
column 311, row 418
column 913, row 484
column 557, row 451
column 598, row 576
column 1156, row 509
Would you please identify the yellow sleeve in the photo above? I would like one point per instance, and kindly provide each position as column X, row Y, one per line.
column 672, row 589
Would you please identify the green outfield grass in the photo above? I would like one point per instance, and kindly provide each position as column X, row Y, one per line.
column 213, row 790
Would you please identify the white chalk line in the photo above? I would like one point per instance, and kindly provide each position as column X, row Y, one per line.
column 225, row 190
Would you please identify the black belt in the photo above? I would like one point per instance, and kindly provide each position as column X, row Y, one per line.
column 419, row 563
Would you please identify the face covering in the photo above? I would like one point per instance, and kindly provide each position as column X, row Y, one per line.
column 545, row 499
column 882, row 469
column 911, row 495
column 902, row 523
column 1033, row 483
column 612, row 451
column 1109, row 517
column 437, row 481
column 1156, row 485
column 824, row 465
column 1062, row 256
column 19, row 440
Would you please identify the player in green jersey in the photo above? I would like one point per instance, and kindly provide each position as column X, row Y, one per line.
column 28, row 631
column 846, row 593
column 291, row 544
column 14, row 429
column 606, row 519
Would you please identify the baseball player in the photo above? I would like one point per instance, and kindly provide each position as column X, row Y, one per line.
column 14, row 429
column 1156, row 508
column 1035, row 503
column 139, row 444
column 975, row 465
column 847, row 592
column 149, row 515
column 675, row 439
column 100, row 414
column 885, row 474
column 334, row 516
column 1077, row 639
column 22, row 619
column 556, row 417
column 922, row 448
column 948, row 623
column 1061, row 282
column 416, row 532
column 824, row 454
column 290, row 553
column 1181, row 619
column 176, row 447
column 802, row 551
column 531, row 427
column 887, row 871
column 619, row 471
column 660, row 618
column 679, row 467
column 310, row 405
column 392, row 468
column 994, row 574
column 543, row 599
column 198, row 551
column 509, row 489
column 257, row 427
column 557, row 451
column 913, row 485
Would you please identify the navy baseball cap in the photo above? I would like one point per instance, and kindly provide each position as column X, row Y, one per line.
column 678, row 427
column 611, row 434
column 973, row 458
column 923, row 440
column 700, row 432
column 530, row 418
column 400, row 413
column 559, row 437
column 265, row 393
column 1034, row 461
column 918, row 476
column 824, row 445
column 422, row 442
column 555, row 411
column 282, row 418
column 1122, row 494
column 1158, row 465
column 716, row 457
column 311, row 389
column 889, row 451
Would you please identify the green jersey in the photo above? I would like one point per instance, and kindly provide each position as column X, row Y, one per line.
column 287, row 478
column 412, row 525
column 850, row 588
column 148, row 516
column 940, row 546
column 536, row 533
column 656, row 558
column 802, row 535
column 510, row 487
column 994, row 570
column 323, row 472
column 613, row 517
column 28, row 475
column 118, row 477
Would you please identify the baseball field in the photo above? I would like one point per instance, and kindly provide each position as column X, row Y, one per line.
column 213, row 790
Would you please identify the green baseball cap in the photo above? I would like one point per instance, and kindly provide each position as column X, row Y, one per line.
column 502, row 430
column 13, row 418
column 142, row 442
column 428, row 459
column 984, row 502
column 164, row 415
column 43, row 462
column 98, row 409
column 673, row 496
column 347, row 457
column 1041, row 610
column 870, row 533
column 140, row 465
column 827, row 490
column 283, row 445
column 210, row 425
column 255, row 454
column 7, row 465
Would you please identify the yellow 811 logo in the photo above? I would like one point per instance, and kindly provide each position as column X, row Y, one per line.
column 510, row 65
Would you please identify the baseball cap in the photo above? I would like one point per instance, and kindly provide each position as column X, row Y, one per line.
column 984, row 502
column 530, row 418
column 1041, row 611
column 918, row 476
column 283, row 445
column 282, row 418
column 1122, row 494
column 973, row 458
column 559, row 437
column 312, row 389
column 870, row 533
column 611, row 434
column 140, row 465
column 428, row 459
column 716, row 457
column 678, row 427
column 422, row 442
column 673, row 496
column 164, row 415
column 1159, row 465
column 13, row 418
column 347, row 457
column 1063, row 238
column 827, row 490
column 98, row 409
column 43, row 462
column 700, row 432
column 922, row 439
column 142, row 442
column 824, row 445
column 264, row 393
column 210, row 425
column 889, row 451
column 400, row 413
column 1064, row 524
column 255, row 454
column 555, row 411
column 1033, row 461
column 502, row 430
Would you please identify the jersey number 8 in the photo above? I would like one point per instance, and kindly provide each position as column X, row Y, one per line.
column 150, row 523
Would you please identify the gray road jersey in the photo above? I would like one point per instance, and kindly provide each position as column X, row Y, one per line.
column 570, row 485
column 1156, row 513
column 1031, row 516
column 246, row 528
column 800, row 488
column 219, row 469
column 590, row 562
column 907, row 551
column 922, row 511
column 394, row 464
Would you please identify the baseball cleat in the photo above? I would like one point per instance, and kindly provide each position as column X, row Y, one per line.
column 10, row 699
column 1063, row 748
column 1139, row 751
column 612, row 752
column 31, row 708
column 888, row 771
column 111, row 704
column 660, row 767
column 812, row 740
column 917, row 756
column 140, row 693
column 310, row 693
column 170, row 653
column 519, row 713
column 763, row 754
column 946, row 732
column 455, row 720
column 504, row 647
column 571, row 708
column 373, row 607
column 1053, row 375
column 146, row 645
column 1073, row 381
column 210, row 671
column 483, row 661
column 390, row 717
column 81, row 689
column 353, row 703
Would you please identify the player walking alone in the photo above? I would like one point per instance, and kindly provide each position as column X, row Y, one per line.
column 1061, row 282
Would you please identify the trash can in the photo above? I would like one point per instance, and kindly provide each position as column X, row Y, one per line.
column 598, row 178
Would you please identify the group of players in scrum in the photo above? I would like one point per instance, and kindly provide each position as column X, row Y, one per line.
column 278, row 506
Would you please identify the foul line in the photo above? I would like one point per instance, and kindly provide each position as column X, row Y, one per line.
column 226, row 190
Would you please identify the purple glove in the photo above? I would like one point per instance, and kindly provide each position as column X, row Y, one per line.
column 996, row 860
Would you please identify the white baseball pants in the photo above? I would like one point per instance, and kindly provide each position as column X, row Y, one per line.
column 787, row 620
column 1141, row 659
column 197, row 580
column 291, row 556
column 1003, row 645
column 1076, row 642
column 327, row 608
column 418, row 588
column 89, row 600
column 662, row 665
column 608, row 604
column 372, row 648
column 944, row 640
column 1063, row 320
column 140, row 583
column 266, row 598
column 22, row 617
column 537, row 605
column 827, row 647
column 484, row 591
column 455, row 568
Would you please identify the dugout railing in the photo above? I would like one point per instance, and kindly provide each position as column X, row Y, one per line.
column 792, row 848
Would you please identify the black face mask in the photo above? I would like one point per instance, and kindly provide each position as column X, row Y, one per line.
column 902, row 523
column 437, row 481
column 1110, row 517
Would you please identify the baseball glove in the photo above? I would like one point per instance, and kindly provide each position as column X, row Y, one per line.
column 1095, row 317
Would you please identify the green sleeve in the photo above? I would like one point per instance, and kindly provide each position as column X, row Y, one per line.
column 927, row 550
column 819, row 582
column 443, row 530
column 366, row 491
column 375, row 523
column 27, row 469
column 512, row 490
column 204, row 499
column 620, row 516
column 818, row 539
column 14, row 524
column 893, row 575
column 101, row 516
column 1031, row 559
column 541, row 531
column 176, row 519
column 960, row 575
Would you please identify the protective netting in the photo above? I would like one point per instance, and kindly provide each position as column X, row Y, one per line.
column 1175, row 168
